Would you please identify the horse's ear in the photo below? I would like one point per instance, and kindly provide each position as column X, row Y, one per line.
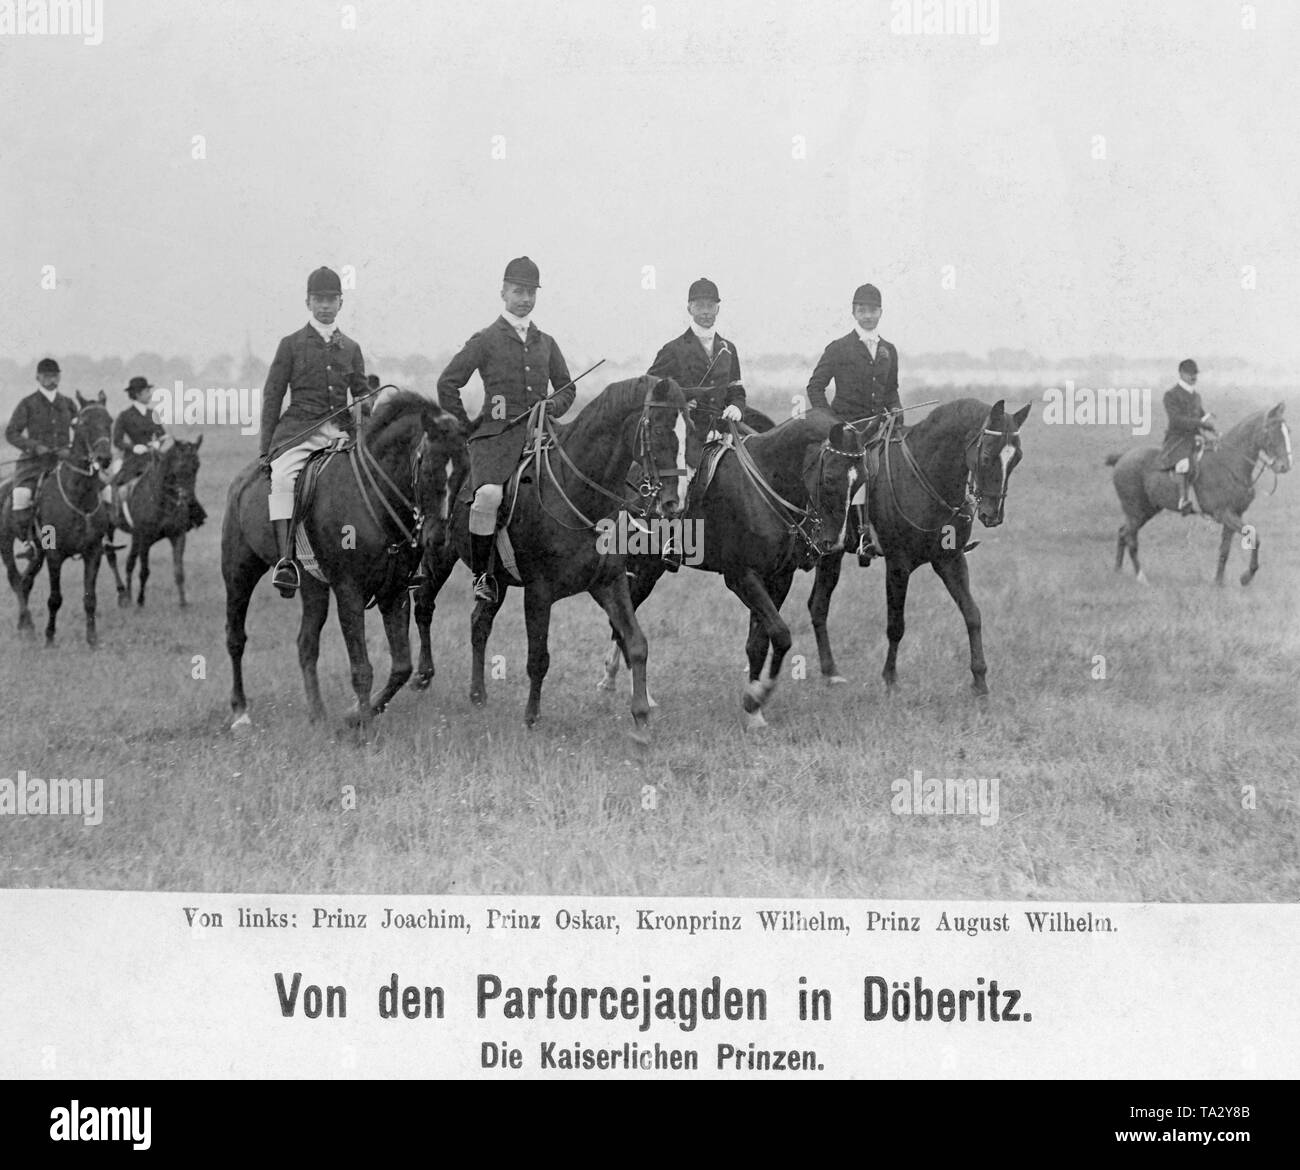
column 996, row 415
column 198, row 442
column 663, row 390
column 103, row 398
column 80, row 401
column 1020, row 415
column 1278, row 410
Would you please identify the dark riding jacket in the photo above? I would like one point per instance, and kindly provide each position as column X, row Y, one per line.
column 1186, row 418
column 131, row 429
column 685, row 361
column 317, row 376
column 37, row 420
column 515, row 375
column 863, row 385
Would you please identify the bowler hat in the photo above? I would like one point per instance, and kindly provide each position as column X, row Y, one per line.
column 1187, row 366
column 523, row 271
column 136, row 385
column 324, row 282
column 47, row 366
column 867, row 294
column 703, row 290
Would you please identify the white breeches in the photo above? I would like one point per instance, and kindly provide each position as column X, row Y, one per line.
column 286, row 467
column 483, row 511
column 22, row 498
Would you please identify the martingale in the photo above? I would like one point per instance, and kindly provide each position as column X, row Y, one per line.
column 684, row 1005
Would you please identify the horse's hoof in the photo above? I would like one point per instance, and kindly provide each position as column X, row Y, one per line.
column 123, row 601
column 640, row 735
column 421, row 681
column 478, row 698
column 1142, row 578
column 834, row 680
column 184, row 605
column 242, row 725
column 606, row 683
column 754, row 721
column 980, row 688
column 1247, row 578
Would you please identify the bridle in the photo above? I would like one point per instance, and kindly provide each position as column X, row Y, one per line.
column 89, row 452
column 973, row 491
column 1265, row 461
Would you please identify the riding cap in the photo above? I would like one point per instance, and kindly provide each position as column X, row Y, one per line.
column 867, row 294
column 324, row 282
column 136, row 385
column 1187, row 366
column 703, row 290
column 524, row 272
column 47, row 366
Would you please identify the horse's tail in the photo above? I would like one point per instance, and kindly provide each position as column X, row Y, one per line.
column 1111, row 460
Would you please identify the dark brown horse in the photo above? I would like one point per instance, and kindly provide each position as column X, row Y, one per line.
column 557, row 532
column 162, row 506
column 71, row 519
column 777, row 503
column 363, row 528
column 961, row 455
column 1225, row 486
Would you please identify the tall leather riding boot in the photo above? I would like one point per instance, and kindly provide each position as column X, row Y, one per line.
column 480, row 557
column 22, row 522
column 286, row 578
column 868, row 540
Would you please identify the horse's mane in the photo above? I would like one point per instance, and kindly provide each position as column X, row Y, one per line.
column 815, row 426
column 1244, row 431
column 611, row 406
column 397, row 404
column 966, row 413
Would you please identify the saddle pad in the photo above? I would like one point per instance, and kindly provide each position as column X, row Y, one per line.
column 306, row 554
column 506, row 556
column 713, row 454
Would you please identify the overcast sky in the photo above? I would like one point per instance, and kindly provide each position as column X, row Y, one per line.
column 789, row 151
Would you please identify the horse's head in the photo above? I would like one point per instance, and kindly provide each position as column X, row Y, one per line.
column 665, row 446
column 181, row 463
column 92, row 431
column 834, row 472
column 991, row 456
column 441, row 462
column 1275, row 442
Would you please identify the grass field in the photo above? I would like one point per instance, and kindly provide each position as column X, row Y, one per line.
column 1127, row 787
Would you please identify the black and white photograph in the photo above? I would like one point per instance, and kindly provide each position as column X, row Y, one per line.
column 742, row 505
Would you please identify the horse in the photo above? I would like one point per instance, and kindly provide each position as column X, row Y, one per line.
column 71, row 519
column 1224, row 487
column 162, row 506
column 560, row 523
column 960, row 454
column 362, row 525
column 774, row 498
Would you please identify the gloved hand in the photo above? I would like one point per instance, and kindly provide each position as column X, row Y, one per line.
column 732, row 413
column 139, row 449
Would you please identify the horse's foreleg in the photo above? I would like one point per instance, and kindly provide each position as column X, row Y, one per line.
column 768, row 629
column 537, row 619
column 110, row 555
column 641, row 581
column 178, row 567
column 1233, row 524
column 615, row 599
column 144, row 567
column 56, row 595
column 352, row 621
column 315, row 609
column 425, row 603
column 20, row 583
column 955, row 575
column 897, row 574
column 480, row 629
column 241, row 578
column 90, row 578
column 397, row 627
column 825, row 579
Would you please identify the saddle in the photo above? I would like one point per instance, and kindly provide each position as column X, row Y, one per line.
column 304, row 494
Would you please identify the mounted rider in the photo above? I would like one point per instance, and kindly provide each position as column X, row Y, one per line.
column 1188, row 423
column 137, row 433
column 705, row 365
column 515, row 360
column 41, row 428
column 321, row 369
column 864, row 367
